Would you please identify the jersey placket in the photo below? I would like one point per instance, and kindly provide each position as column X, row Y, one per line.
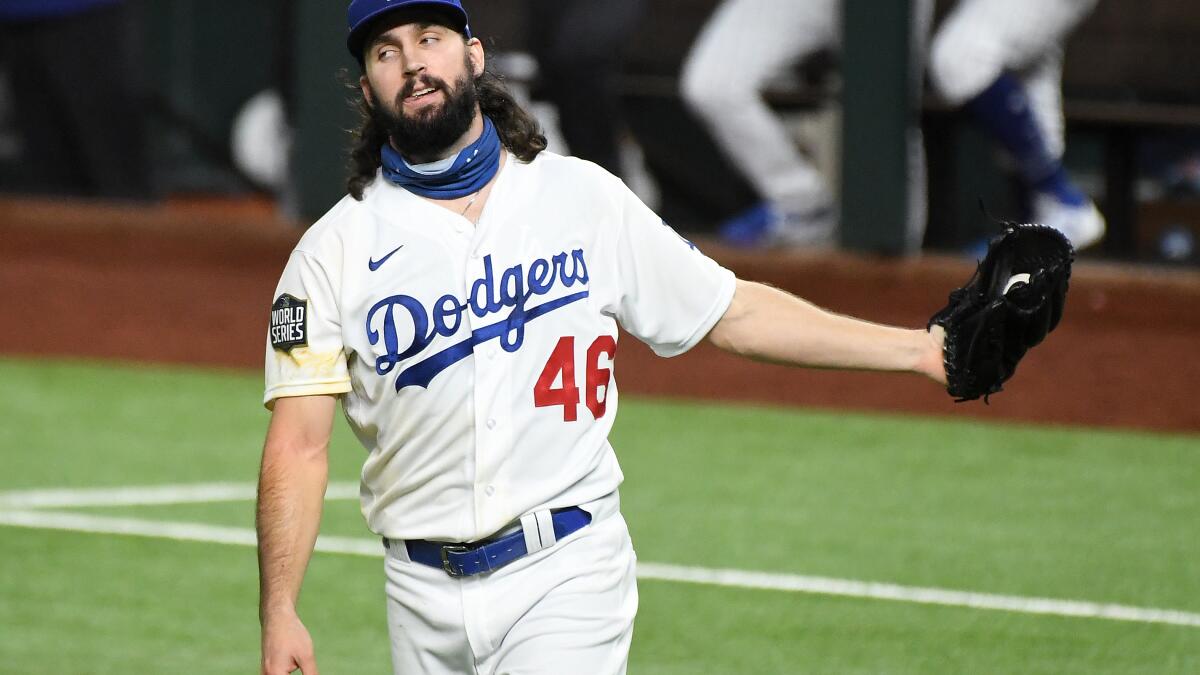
column 493, row 412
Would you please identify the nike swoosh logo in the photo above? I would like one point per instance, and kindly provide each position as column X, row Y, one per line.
column 376, row 264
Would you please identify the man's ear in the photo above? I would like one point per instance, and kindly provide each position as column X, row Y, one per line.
column 476, row 56
column 365, row 85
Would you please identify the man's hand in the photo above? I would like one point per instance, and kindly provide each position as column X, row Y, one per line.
column 286, row 646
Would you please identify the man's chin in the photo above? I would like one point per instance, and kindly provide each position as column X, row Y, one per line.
column 424, row 114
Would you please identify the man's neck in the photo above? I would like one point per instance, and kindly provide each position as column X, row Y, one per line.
column 473, row 133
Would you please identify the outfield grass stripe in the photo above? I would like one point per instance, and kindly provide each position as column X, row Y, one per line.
column 191, row 493
column 197, row 532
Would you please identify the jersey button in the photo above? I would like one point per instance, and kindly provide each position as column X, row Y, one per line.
column 489, row 490
column 491, row 424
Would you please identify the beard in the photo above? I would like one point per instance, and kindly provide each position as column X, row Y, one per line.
column 428, row 132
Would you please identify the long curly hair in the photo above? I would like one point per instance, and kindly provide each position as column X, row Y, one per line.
column 519, row 131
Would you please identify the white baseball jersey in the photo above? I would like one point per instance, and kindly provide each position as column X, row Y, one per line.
column 474, row 361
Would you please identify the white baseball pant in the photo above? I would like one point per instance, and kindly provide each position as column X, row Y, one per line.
column 980, row 39
column 746, row 43
column 743, row 45
column 568, row 608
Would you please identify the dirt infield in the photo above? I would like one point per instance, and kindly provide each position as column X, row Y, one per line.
column 192, row 283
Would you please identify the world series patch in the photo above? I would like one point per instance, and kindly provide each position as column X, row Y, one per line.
column 289, row 323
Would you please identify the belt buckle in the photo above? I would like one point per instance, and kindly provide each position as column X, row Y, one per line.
column 446, row 551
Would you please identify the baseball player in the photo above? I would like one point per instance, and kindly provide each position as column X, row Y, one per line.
column 462, row 304
column 743, row 46
column 1002, row 60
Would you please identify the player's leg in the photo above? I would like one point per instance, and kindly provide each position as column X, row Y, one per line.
column 93, row 92
column 1043, row 85
column 425, row 615
column 744, row 44
column 918, row 200
column 570, row 609
column 1058, row 201
column 30, row 55
column 977, row 60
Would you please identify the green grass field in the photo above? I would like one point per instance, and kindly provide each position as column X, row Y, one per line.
column 1059, row 513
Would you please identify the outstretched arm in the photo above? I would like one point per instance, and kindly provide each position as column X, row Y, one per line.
column 291, row 492
column 768, row 324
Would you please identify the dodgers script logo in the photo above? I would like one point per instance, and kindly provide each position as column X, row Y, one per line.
column 516, row 287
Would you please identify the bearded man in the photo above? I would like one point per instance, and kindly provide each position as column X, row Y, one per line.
column 462, row 303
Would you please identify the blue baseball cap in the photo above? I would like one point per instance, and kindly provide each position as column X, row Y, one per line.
column 362, row 14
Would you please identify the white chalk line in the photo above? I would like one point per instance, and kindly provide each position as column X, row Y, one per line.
column 178, row 531
column 925, row 596
column 197, row 532
column 191, row 493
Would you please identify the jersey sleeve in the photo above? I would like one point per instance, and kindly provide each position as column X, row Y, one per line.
column 305, row 353
column 669, row 294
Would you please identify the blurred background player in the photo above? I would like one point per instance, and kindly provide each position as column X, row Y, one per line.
column 74, row 72
column 743, row 46
column 579, row 46
column 1002, row 61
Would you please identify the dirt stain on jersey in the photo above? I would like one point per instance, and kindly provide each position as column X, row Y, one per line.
column 312, row 365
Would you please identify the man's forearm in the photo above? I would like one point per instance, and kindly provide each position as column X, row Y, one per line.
column 291, row 492
column 768, row 324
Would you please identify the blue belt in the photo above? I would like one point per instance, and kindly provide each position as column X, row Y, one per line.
column 464, row 560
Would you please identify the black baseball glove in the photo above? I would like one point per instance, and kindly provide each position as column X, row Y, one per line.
column 1014, row 299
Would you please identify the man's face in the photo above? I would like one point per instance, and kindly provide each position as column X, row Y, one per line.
column 420, row 84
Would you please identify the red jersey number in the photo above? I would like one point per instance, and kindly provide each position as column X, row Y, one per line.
column 596, row 389
column 560, row 369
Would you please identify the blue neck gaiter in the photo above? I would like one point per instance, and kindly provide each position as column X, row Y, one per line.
column 470, row 171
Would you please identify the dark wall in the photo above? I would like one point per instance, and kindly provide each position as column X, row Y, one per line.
column 1137, row 49
column 658, row 45
column 205, row 58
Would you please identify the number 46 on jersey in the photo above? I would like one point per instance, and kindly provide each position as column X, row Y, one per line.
column 560, row 370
